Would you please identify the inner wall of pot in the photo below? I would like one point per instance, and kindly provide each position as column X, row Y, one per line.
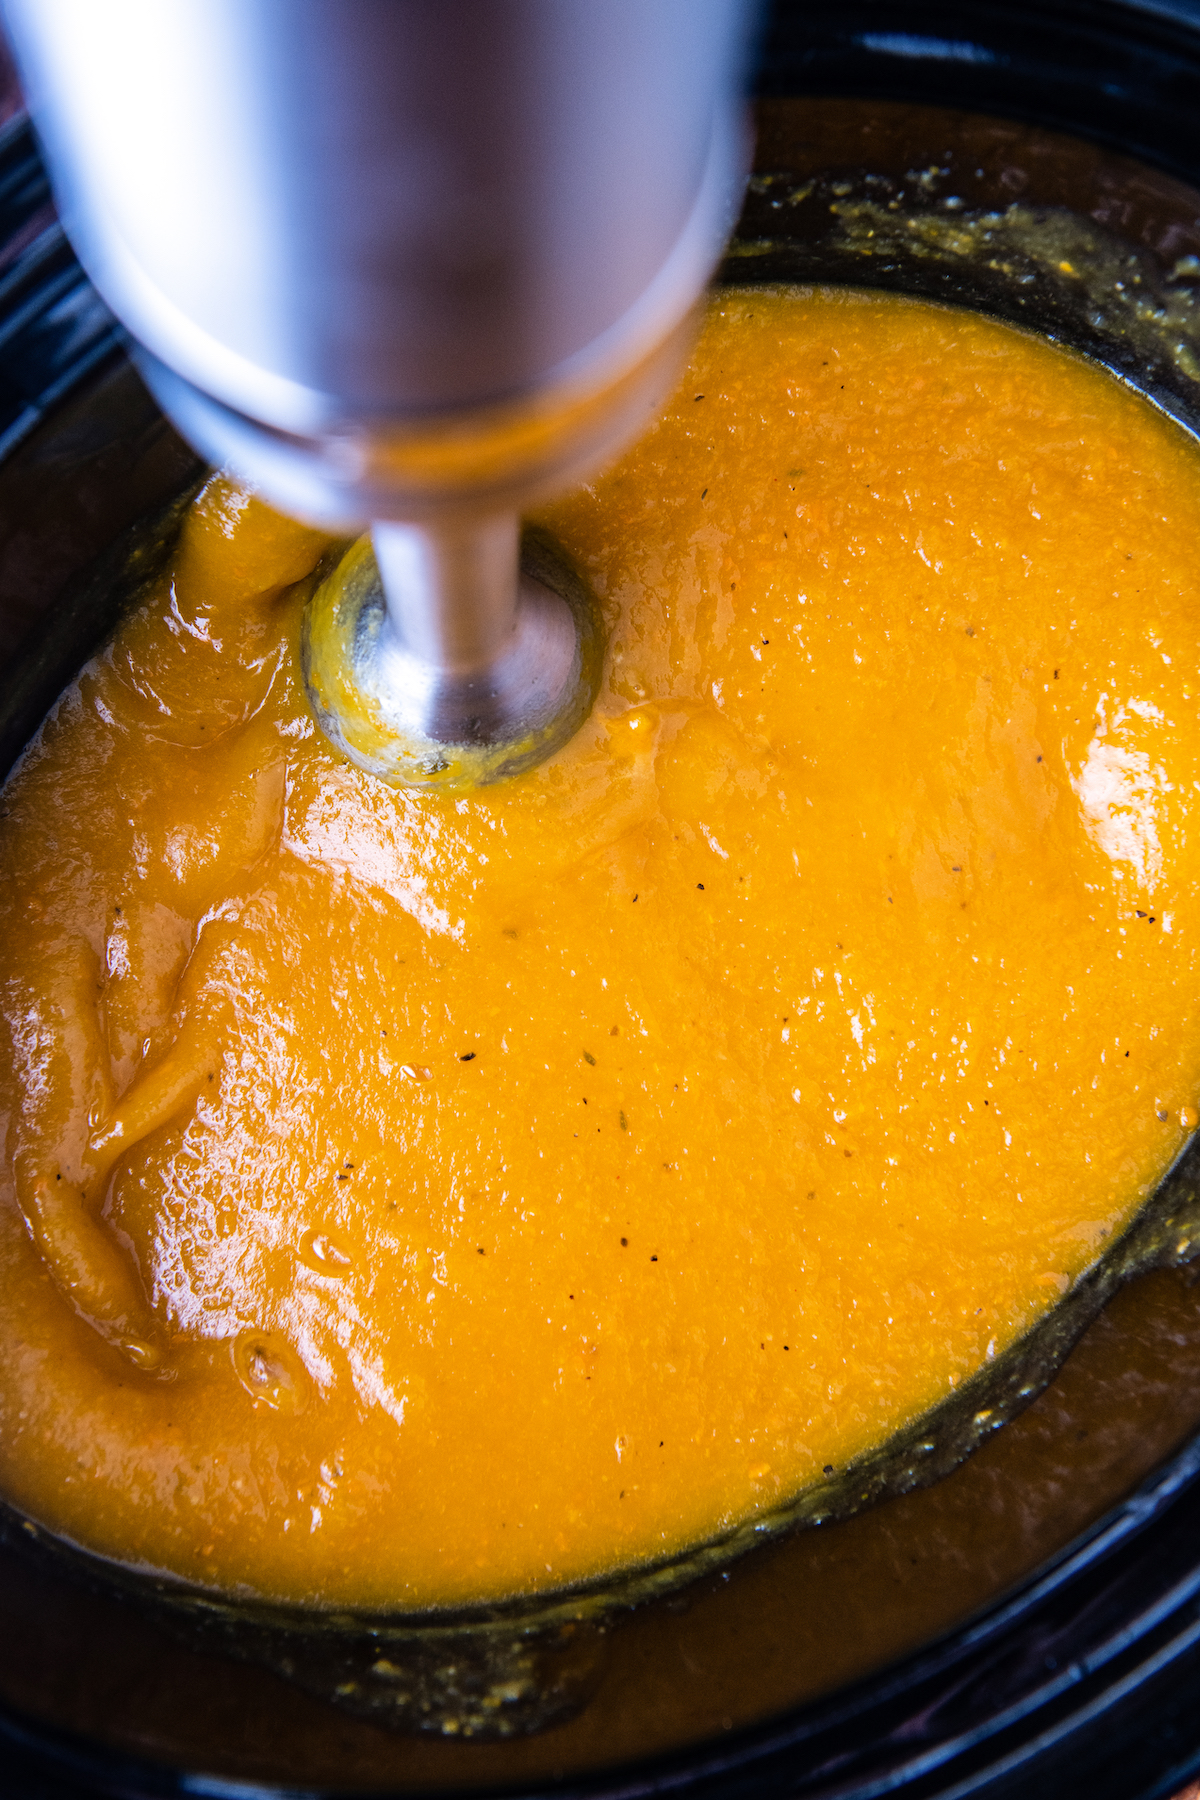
column 799, row 1619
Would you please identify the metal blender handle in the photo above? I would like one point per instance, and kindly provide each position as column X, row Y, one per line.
column 412, row 261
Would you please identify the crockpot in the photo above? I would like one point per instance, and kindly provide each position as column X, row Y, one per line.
column 1030, row 1624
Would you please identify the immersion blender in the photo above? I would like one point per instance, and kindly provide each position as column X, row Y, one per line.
column 415, row 264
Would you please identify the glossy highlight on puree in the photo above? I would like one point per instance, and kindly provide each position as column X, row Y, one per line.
column 413, row 1201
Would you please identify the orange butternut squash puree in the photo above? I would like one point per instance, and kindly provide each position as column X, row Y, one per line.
column 411, row 1201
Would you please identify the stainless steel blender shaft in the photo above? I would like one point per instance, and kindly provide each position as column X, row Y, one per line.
column 413, row 261
column 472, row 652
column 452, row 592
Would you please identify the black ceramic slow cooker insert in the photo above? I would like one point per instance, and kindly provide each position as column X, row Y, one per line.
column 1031, row 1623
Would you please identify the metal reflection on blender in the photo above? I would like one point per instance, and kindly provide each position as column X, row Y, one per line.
column 414, row 267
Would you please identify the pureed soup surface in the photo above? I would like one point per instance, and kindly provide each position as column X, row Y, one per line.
column 413, row 1200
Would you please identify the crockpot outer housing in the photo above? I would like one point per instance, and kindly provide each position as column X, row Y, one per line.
column 1122, row 72
column 1088, row 1679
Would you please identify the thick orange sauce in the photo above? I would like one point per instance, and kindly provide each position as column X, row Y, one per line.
column 411, row 1200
